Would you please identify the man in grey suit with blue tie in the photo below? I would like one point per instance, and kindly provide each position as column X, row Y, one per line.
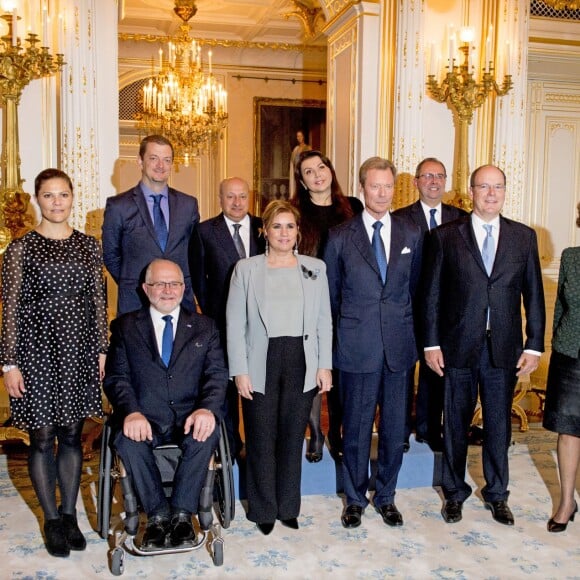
column 149, row 221
column 373, row 265
column 483, row 267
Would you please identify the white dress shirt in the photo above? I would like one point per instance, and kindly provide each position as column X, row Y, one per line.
column 244, row 231
column 427, row 211
column 385, row 231
column 159, row 324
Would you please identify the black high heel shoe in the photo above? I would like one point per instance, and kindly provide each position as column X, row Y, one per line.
column 555, row 527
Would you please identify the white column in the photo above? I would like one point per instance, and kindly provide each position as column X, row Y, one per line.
column 509, row 147
column 89, row 146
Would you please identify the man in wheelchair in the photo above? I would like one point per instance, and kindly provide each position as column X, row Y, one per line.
column 166, row 380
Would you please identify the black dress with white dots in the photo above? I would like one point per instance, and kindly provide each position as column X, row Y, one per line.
column 54, row 326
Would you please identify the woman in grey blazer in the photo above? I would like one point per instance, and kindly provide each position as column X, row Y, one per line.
column 279, row 342
column 562, row 408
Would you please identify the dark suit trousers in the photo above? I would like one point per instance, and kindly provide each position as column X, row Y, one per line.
column 360, row 394
column 429, row 404
column 274, row 424
column 496, row 389
column 189, row 478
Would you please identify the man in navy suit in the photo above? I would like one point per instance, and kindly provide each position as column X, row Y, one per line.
column 214, row 250
column 373, row 263
column 482, row 268
column 149, row 221
column 428, row 212
column 166, row 379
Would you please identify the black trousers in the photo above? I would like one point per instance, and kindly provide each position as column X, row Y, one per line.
column 274, row 424
column 496, row 390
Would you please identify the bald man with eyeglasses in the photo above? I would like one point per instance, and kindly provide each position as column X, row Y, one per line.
column 480, row 269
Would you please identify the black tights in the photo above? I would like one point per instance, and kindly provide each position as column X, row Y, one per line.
column 45, row 469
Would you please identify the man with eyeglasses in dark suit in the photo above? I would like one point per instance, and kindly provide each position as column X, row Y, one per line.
column 428, row 212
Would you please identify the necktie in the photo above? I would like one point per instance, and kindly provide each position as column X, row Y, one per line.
column 159, row 222
column 488, row 249
column 238, row 241
column 432, row 221
column 167, row 340
column 379, row 248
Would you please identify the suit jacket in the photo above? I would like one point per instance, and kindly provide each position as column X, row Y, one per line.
column 566, row 329
column 212, row 257
column 247, row 321
column 374, row 323
column 130, row 243
column 136, row 378
column 415, row 214
column 458, row 293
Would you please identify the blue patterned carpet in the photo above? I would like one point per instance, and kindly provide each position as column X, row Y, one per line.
column 425, row 547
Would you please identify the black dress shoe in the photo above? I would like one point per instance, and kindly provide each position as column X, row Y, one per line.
column 181, row 529
column 451, row 511
column 290, row 523
column 351, row 517
column 406, row 447
column 74, row 536
column 155, row 531
column 266, row 527
column 313, row 456
column 555, row 527
column 501, row 512
column 390, row 514
column 55, row 538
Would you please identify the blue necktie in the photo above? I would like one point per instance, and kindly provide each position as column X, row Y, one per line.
column 167, row 340
column 159, row 222
column 488, row 249
column 432, row 221
column 379, row 248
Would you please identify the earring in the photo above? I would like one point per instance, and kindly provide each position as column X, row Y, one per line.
column 267, row 250
column 296, row 249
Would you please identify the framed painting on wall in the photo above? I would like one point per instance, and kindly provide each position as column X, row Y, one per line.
column 277, row 123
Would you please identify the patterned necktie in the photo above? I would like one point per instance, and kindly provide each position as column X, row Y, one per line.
column 238, row 241
column 379, row 248
column 432, row 221
column 159, row 222
column 488, row 249
column 167, row 340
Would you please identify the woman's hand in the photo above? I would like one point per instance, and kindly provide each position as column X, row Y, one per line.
column 244, row 386
column 324, row 380
column 14, row 383
column 102, row 360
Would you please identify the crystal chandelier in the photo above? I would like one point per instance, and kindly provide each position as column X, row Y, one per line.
column 181, row 101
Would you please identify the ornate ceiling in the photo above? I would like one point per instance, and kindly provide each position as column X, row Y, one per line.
column 248, row 21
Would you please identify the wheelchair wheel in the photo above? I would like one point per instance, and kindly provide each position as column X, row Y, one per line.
column 217, row 552
column 117, row 561
column 106, row 485
column 224, row 493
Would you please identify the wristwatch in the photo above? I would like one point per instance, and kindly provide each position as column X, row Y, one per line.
column 8, row 368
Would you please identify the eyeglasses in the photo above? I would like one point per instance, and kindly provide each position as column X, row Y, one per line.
column 430, row 176
column 486, row 187
column 164, row 285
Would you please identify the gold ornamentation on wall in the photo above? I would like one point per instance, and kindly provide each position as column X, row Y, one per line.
column 311, row 18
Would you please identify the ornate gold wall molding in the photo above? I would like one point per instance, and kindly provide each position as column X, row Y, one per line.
column 562, row 98
column 334, row 7
column 311, row 18
column 126, row 36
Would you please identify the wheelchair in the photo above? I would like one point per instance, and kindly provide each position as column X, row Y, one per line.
column 217, row 495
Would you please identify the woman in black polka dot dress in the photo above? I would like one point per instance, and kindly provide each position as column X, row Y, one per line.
column 54, row 341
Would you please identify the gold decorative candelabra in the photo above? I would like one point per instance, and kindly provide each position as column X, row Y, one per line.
column 19, row 66
column 463, row 94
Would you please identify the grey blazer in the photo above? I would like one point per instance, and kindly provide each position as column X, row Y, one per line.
column 246, row 320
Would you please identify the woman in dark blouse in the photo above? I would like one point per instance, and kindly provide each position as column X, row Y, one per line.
column 322, row 205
